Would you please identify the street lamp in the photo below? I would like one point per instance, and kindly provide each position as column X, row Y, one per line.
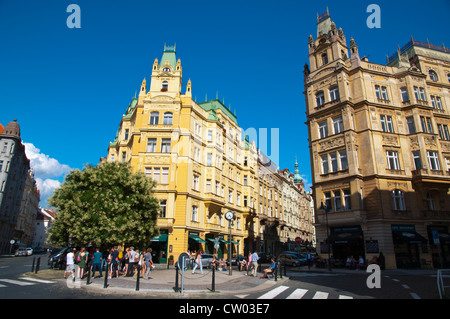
column 229, row 216
column 324, row 208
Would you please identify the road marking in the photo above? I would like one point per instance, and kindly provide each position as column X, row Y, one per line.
column 16, row 282
column 273, row 293
column 241, row 296
column 320, row 295
column 405, row 286
column 2, row 286
column 345, row 297
column 38, row 280
column 297, row 294
column 414, row 295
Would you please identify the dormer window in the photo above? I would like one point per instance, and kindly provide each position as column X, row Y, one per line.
column 433, row 75
column 165, row 86
column 166, row 69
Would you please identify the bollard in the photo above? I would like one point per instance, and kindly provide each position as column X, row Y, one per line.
column 284, row 269
column 213, row 287
column 38, row 264
column 281, row 269
column 138, row 275
column 276, row 271
column 32, row 266
column 88, row 280
column 105, row 283
column 176, row 278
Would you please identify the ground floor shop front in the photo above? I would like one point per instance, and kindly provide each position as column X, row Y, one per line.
column 399, row 245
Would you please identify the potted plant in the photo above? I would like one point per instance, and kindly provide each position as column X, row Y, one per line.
column 171, row 260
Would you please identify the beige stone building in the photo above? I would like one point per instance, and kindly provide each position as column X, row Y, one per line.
column 202, row 167
column 380, row 149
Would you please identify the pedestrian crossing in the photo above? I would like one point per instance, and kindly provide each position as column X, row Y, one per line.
column 23, row 281
column 285, row 292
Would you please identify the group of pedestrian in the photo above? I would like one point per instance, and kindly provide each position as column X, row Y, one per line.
column 128, row 262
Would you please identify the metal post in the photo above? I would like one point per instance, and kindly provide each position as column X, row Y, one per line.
column 276, row 270
column 88, row 280
column 213, row 288
column 229, row 246
column 105, row 283
column 138, row 275
column 176, row 278
column 38, row 264
column 32, row 266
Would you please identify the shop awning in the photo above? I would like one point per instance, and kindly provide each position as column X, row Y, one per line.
column 236, row 243
column 197, row 239
column 162, row 237
column 410, row 236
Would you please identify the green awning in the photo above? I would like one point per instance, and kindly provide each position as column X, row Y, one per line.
column 236, row 243
column 197, row 239
column 162, row 237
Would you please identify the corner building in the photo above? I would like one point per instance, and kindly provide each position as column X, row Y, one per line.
column 380, row 150
column 201, row 166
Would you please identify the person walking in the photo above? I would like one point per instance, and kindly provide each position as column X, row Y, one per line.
column 82, row 262
column 70, row 264
column 131, row 262
column 115, row 262
column 148, row 263
column 255, row 259
column 97, row 262
column 198, row 262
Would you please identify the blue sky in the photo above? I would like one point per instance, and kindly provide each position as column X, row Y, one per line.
column 68, row 88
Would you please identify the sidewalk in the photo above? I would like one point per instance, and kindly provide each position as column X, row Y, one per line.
column 163, row 282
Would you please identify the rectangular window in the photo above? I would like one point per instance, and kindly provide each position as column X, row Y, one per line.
column 404, row 94
column 337, row 201
column 392, row 160
column 411, row 125
column 195, row 183
column 378, row 92
column 210, row 135
column 323, row 129
column 148, row 172
column 209, row 159
column 422, row 94
column 163, row 205
column 208, row 186
column 433, row 160
column 124, row 157
column 427, row 126
column 343, row 159
column 217, row 188
column 417, row 160
column 398, row 199
column 347, row 200
column 230, row 196
column 194, row 213
column 165, row 176
column 156, row 174
column 165, row 145
column 327, row 199
column 386, row 123
column 126, row 134
column 334, row 162
column 324, row 164
column 338, row 125
column 384, row 93
column 151, row 145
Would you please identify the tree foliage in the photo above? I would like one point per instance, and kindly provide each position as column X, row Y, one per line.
column 104, row 205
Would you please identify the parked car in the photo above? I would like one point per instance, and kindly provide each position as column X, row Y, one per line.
column 206, row 260
column 21, row 252
column 235, row 260
column 264, row 257
column 29, row 251
column 291, row 260
column 57, row 258
column 293, row 253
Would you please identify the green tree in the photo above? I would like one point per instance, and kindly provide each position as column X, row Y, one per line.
column 104, row 205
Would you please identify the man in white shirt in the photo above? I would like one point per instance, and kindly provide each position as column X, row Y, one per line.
column 255, row 258
column 70, row 265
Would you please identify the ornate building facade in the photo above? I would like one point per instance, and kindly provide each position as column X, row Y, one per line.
column 379, row 147
column 202, row 167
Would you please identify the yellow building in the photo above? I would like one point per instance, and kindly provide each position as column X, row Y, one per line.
column 380, row 150
column 201, row 165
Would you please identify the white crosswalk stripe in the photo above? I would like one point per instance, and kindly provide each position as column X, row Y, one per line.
column 24, row 281
column 38, row 280
column 297, row 293
column 17, row 282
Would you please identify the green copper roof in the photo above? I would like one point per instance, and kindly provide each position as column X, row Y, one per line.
column 297, row 177
column 216, row 104
column 169, row 54
column 130, row 108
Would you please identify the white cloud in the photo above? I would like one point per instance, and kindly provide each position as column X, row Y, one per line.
column 45, row 170
column 42, row 165
column 46, row 187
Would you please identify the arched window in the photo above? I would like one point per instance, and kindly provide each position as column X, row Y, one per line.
column 320, row 98
column 168, row 118
column 334, row 93
column 165, row 86
column 154, row 118
column 166, row 69
column 398, row 199
column 433, row 75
